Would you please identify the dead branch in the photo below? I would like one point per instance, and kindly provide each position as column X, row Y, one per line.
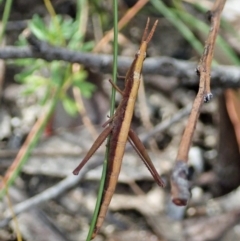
column 221, row 76
column 179, row 180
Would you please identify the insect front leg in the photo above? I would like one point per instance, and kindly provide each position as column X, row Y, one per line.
column 101, row 138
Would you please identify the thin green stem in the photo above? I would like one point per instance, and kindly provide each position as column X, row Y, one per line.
column 176, row 21
column 55, row 19
column 115, row 55
column 200, row 26
column 5, row 17
column 104, row 171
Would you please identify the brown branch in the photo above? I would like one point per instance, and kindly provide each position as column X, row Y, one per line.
column 123, row 21
column 222, row 76
column 179, row 180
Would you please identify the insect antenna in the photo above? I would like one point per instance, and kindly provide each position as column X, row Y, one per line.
column 145, row 31
column 151, row 32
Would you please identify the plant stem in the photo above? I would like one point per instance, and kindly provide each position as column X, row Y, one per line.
column 5, row 17
column 102, row 182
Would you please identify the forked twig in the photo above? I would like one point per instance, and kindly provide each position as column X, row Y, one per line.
column 179, row 179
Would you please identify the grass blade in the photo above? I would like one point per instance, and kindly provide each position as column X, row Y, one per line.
column 101, row 187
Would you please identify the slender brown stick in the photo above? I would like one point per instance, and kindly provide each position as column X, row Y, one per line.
column 23, row 151
column 222, row 76
column 179, row 180
column 123, row 21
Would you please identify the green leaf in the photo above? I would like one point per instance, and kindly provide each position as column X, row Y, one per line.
column 46, row 97
column 86, row 88
column 36, row 80
column 57, row 69
column 21, row 77
column 22, row 41
column 88, row 46
column 38, row 28
column 68, row 28
column 29, row 90
column 79, row 76
column 29, row 71
column 70, row 106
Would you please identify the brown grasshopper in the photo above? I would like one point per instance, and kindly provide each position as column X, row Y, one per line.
column 119, row 128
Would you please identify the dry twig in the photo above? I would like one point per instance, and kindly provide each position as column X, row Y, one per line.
column 221, row 76
column 22, row 152
column 179, row 180
column 123, row 21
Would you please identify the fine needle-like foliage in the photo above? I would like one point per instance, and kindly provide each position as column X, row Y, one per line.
column 5, row 17
column 53, row 86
